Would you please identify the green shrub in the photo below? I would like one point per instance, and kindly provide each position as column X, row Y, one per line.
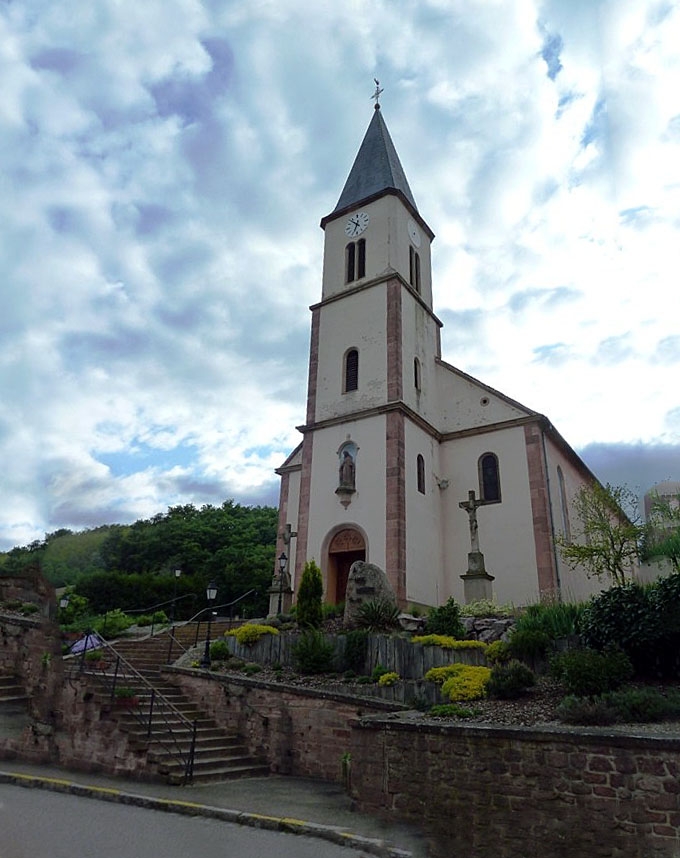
column 452, row 710
column 626, row 618
column 378, row 671
column 447, row 642
column 642, row 705
column 509, row 680
column 312, row 653
column 219, row 650
column 251, row 668
column 529, row 644
column 309, row 610
column 445, row 620
column 112, row 624
column 250, row 633
column 583, row 710
column 124, row 692
column 94, row 655
column 498, row 652
column 441, row 674
column 556, row 619
column 356, row 646
column 587, row 673
column 389, row 678
column 332, row 612
column 29, row 608
column 468, row 683
column 377, row 615
column 160, row 618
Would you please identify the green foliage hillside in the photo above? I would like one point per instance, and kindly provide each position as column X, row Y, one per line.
column 132, row 566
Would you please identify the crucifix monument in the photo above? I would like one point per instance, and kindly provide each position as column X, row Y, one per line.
column 476, row 581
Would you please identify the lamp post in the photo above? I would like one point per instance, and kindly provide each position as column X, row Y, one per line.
column 210, row 594
column 283, row 560
column 178, row 574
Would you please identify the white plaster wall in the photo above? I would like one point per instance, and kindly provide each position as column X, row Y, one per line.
column 419, row 338
column 357, row 322
column 367, row 508
column 506, row 534
column 423, row 519
column 461, row 403
column 387, row 248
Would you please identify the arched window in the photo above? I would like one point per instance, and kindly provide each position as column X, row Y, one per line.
column 489, row 478
column 420, row 473
column 416, row 373
column 355, row 260
column 563, row 504
column 351, row 370
column 414, row 269
column 361, row 258
column 350, row 262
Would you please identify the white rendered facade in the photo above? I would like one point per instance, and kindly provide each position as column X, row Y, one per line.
column 417, row 433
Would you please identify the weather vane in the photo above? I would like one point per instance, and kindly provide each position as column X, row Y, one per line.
column 376, row 94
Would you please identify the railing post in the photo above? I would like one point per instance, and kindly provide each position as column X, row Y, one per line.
column 198, row 626
column 171, row 635
column 189, row 771
column 115, row 677
column 153, row 698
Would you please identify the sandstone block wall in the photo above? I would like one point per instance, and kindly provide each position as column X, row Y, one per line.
column 520, row 793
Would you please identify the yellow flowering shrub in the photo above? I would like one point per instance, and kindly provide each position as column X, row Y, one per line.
column 250, row 633
column 460, row 681
column 389, row 678
column 447, row 642
column 467, row 684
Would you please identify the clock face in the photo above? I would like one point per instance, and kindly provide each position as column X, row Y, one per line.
column 356, row 224
column 414, row 233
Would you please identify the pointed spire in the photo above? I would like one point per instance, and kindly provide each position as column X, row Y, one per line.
column 376, row 168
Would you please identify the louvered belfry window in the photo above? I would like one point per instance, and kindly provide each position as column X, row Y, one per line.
column 351, row 370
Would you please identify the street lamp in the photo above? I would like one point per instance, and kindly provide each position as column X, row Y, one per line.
column 178, row 573
column 283, row 561
column 210, row 594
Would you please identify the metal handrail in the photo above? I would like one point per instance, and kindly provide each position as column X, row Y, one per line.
column 159, row 705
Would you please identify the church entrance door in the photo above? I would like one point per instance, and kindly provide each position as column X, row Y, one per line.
column 346, row 546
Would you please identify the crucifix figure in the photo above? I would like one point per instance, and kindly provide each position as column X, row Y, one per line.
column 470, row 506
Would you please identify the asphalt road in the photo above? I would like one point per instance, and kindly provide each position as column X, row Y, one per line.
column 34, row 823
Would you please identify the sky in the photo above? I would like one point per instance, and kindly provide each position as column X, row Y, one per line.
column 164, row 166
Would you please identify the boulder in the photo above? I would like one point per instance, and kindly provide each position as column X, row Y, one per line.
column 366, row 583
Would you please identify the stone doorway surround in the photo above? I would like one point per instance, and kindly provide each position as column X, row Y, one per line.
column 346, row 546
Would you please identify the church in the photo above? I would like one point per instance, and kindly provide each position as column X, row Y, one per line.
column 449, row 486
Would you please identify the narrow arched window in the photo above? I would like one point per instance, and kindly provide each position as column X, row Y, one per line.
column 414, row 269
column 416, row 373
column 350, row 262
column 361, row 258
column 351, row 370
column 489, row 478
column 420, row 473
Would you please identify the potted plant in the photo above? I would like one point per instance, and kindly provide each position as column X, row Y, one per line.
column 95, row 658
column 125, row 697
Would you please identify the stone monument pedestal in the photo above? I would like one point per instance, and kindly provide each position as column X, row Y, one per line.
column 286, row 594
column 477, row 581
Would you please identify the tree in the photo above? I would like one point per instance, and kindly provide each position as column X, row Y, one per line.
column 611, row 532
column 662, row 536
column 310, row 594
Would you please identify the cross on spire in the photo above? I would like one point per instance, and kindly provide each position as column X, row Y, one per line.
column 377, row 93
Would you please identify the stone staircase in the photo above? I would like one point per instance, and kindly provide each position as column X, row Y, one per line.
column 13, row 697
column 219, row 754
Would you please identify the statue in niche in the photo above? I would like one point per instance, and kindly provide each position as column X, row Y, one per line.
column 347, row 471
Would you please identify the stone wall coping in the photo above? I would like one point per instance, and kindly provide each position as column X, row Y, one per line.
column 300, row 691
column 32, row 622
column 419, row 723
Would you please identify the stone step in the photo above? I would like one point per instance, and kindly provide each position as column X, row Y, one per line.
column 219, row 773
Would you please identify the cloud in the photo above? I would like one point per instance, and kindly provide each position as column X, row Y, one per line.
column 165, row 167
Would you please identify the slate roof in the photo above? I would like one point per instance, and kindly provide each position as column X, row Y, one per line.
column 376, row 168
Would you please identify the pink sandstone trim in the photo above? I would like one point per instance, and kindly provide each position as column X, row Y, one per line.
column 395, row 504
column 313, row 366
column 540, row 509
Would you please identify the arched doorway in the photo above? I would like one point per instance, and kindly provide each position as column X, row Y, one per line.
column 346, row 546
